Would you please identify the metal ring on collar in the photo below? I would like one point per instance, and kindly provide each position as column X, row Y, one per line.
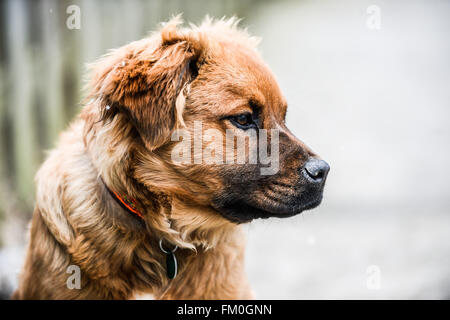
column 165, row 251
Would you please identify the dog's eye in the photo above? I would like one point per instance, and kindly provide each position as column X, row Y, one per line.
column 243, row 121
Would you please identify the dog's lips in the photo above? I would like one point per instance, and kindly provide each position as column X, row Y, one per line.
column 241, row 211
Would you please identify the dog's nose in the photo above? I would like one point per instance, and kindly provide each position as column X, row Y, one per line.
column 316, row 170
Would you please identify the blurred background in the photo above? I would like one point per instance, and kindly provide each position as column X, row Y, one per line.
column 368, row 86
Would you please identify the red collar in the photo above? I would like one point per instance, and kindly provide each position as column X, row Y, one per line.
column 126, row 202
column 129, row 204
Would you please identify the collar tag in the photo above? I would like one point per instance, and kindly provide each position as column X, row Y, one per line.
column 171, row 261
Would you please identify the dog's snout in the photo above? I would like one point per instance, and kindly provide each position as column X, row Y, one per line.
column 316, row 170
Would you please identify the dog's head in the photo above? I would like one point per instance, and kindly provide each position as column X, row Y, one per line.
column 208, row 121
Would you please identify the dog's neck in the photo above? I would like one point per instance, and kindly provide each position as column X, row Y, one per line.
column 182, row 230
column 167, row 216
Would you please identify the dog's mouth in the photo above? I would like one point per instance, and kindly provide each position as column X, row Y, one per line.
column 241, row 210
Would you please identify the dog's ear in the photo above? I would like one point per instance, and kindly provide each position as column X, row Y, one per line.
column 144, row 80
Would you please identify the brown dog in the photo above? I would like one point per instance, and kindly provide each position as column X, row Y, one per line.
column 113, row 203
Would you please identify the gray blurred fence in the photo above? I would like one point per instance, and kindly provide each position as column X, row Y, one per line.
column 41, row 70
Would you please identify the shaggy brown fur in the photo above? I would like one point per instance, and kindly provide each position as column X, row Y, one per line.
column 139, row 94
